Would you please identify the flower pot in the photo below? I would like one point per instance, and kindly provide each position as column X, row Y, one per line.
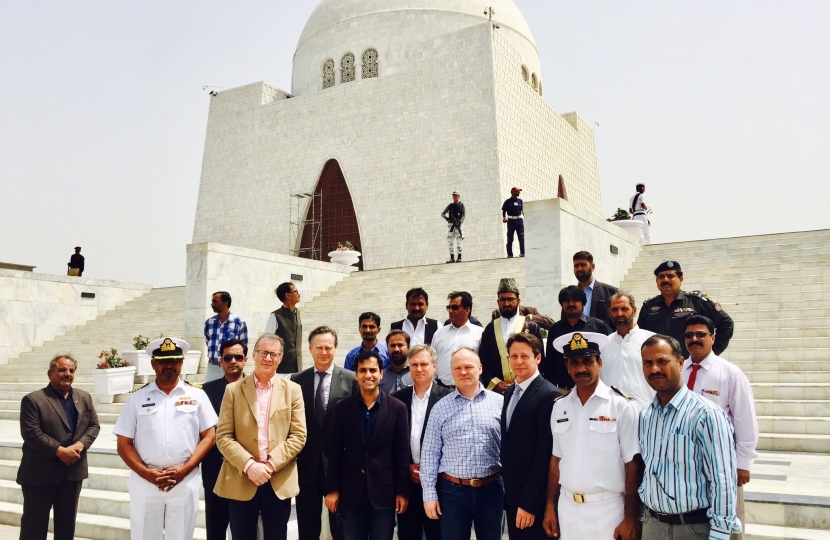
column 347, row 258
column 631, row 225
column 191, row 363
column 112, row 381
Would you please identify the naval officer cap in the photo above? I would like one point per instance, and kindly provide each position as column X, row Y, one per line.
column 508, row 284
column 666, row 266
column 580, row 344
column 167, row 348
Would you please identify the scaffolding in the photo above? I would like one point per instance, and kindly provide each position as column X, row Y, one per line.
column 307, row 212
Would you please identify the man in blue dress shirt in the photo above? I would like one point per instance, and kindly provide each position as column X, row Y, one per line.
column 369, row 326
column 690, row 487
column 460, row 461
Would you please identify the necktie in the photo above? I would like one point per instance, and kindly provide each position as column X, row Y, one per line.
column 319, row 402
column 514, row 400
column 693, row 377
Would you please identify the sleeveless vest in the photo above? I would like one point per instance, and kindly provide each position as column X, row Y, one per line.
column 290, row 329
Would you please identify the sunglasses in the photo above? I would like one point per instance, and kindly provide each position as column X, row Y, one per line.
column 231, row 357
column 698, row 335
column 454, row 307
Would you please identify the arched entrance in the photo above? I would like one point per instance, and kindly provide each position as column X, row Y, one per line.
column 560, row 191
column 335, row 216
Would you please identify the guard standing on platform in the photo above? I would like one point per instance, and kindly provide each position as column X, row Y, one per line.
column 667, row 313
column 639, row 210
column 166, row 428
column 512, row 214
column 454, row 213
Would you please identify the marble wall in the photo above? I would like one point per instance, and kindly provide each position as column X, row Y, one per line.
column 554, row 230
column 35, row 308
column 251, row 277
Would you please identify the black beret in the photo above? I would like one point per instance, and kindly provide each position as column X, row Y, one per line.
column 666, row 266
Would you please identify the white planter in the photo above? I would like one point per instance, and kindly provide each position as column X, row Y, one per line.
column 112, row 381
column 631, row 225
column 191, row 363
column 348, row 258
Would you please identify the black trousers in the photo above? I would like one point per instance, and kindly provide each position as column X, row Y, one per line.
column 515, row 226
column 39, row 500
column 275, row 513
column 536, row 532
column 217, row 515
column 309, row 511
column 414, row 523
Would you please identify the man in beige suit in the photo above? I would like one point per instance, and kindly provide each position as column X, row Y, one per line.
column 261, row 430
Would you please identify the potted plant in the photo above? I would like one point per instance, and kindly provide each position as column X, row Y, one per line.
column 138, row 357
column 112, row 375
column 623, row 219
column 345, row 254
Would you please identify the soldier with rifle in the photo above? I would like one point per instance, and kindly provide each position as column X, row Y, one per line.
column 454, row 214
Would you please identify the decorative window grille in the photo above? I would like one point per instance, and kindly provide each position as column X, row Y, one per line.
column 370, row 63
column 328, row 73
column 347, row 68
column 525, row 74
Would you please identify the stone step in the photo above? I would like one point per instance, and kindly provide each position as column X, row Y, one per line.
column 100, row 479
column 783, row 510
column 773, row 355
column 763, row 239
column 794, row 425
column 772, row 532
column 787, row 391
column 783, row 366
column 787, row 442
column 793, row 407
column 786, row 377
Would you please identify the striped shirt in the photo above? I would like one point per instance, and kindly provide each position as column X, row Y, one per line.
column 217, row 333
column 463, row 439
column 690, row 463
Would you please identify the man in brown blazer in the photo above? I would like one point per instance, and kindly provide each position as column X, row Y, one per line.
column 58, row 424
column 261, row 430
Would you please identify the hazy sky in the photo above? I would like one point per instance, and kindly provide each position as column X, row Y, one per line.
column 722, row 108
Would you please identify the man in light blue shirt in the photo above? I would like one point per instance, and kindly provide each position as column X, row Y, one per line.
column 369, row 329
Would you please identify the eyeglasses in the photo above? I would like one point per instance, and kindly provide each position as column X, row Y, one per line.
column 267, row 354
column 232, row 357
column 292, row 292
column 509, row 299
column 698, row 335
column 454, row 307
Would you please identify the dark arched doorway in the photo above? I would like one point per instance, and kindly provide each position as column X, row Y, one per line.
column 560, row 190
column 334, row 218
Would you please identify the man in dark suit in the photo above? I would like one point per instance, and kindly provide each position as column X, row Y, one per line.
column 417, row 325
column 233, row 355
column 598, row 294
column 320, row 399
column 58, row 424
column 419, row 399
column 526, row 439
column 368, row 476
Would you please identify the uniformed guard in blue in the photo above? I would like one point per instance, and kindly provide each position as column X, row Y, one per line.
column 512, row 214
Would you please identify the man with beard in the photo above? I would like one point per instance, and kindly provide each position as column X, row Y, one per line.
column 689, row 488
column 596, row 466
column 572, row 299
column 495, row 359
column 222, row 327
column 597, row 294
column 417, row 325
column 164, row 431
column 369, row 327
column 396, row 376
column 667, row 313
column 622, row 365
column 721, row 381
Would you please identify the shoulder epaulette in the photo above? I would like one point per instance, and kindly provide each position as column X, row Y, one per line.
column 700, row 294
column 145, row 386
column 650, row 299
column 560, row 397
column 194, row 385
column 617, row 390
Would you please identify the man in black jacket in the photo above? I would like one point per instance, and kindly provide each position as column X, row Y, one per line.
column 419, row 399
column 526, row 439
column 417, row 325
column 324, row 385
column 368, row 476
column 233, row 355
column 598, row 294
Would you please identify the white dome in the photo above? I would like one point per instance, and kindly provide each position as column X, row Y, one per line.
column 396, row 28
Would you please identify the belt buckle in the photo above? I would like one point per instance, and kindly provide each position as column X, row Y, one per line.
column 579, row 498
column 476, row 482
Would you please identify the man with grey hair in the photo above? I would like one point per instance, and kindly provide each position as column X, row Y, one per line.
column 622, row 365
column 58, row 424
column 419, row 400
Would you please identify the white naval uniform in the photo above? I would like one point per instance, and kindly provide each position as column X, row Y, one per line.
column 594, row 442
column 641, row 216
column 165, row 430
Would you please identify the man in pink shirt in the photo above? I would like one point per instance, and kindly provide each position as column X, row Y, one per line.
column 261, row 430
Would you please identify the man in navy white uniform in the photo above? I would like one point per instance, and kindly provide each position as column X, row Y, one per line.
column 721, row 381
column 164, row 431
column 596, row 466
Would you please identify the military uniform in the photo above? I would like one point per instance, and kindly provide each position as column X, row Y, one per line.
column 454, row 213
column 657, row 317
column 513, row 211
column 165, row 429
column 594, row 441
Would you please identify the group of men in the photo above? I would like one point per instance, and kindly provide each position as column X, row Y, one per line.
column 615, row 429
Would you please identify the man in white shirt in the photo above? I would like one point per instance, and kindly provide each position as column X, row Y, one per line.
column 723, row 382
column 638, row 208
column 419, row 399
column 459, row 333
column 622, row 363
column 419, row 327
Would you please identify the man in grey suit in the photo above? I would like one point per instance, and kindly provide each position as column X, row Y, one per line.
column 323, row 385
column 58, row 424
